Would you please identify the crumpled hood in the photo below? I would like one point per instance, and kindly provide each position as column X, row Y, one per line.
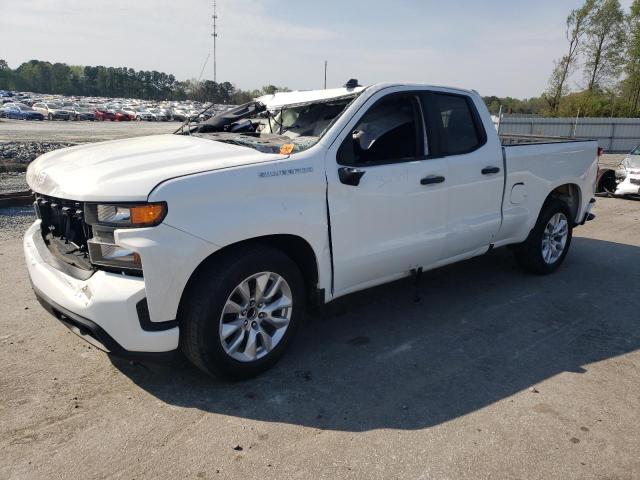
column 127, row 170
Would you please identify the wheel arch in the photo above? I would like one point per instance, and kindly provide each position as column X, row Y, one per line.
column 606, row 183
column 569, row 193
column 294, row 246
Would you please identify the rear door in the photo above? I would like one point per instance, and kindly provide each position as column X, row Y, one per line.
column 475, row 178
column 387, row 196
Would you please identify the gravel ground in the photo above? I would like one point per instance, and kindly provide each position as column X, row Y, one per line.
column 79, row 132
column 13, row 182
column 25, row 152
column 492, row 374
column 14, row 221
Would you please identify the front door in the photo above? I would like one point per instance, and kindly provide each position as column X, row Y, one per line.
column 387, row 197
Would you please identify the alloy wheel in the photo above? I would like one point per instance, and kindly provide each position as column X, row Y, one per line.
column 256, row 316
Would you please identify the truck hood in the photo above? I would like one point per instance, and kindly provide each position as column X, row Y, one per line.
column 127, row 170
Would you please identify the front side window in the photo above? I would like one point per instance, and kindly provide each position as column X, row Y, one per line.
column 459, row 130
column 387, row 133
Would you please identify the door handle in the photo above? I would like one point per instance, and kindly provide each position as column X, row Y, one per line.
column 350, row 176
column 490, row 170
column 431, row 179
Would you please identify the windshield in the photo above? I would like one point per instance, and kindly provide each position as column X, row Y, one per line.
column 284, row 130
column 635, row 151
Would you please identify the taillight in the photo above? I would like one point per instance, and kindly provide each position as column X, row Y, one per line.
column 600, row 151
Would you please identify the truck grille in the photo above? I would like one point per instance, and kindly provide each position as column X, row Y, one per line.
column 63, row 225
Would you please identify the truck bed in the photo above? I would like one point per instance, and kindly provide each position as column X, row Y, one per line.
column 512, row 139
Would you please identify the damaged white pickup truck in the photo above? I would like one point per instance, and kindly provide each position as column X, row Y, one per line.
column 214, row 241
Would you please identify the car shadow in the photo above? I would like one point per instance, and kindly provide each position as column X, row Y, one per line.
column 406, row 357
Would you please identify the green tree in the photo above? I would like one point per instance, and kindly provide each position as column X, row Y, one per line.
column 604, row 49
column 631, row 84
column 577, row 25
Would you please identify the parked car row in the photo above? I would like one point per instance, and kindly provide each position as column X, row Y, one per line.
column 31, row 106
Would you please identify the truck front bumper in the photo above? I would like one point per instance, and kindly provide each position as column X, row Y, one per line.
column 103, row 309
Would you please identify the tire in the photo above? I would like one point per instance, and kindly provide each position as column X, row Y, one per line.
column 215, row 288
column 532, row 255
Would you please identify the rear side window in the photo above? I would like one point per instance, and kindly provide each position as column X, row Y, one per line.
column 460, row 131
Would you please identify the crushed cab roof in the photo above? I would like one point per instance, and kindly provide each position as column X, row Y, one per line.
column 282, row 99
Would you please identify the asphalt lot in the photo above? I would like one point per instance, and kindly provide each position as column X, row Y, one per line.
column 493, row 373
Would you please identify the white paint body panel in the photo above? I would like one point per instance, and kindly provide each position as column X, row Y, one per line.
column 219, row 194
column 540, row 169
column 127, row 170
column 107, row 298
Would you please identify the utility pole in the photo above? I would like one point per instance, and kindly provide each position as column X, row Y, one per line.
column 325, row 74
column 215, row 36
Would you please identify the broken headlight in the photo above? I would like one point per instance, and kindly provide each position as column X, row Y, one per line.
column 113, row 256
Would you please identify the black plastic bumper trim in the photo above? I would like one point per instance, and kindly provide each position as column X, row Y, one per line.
column 145, row 320
column 88, row 328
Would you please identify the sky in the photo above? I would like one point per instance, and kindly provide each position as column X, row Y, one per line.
column 498, row 47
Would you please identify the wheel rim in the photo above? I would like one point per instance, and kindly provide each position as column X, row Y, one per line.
column 256, row 316
column 554, row 238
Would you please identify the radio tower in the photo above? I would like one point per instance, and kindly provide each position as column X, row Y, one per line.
column 215, row 36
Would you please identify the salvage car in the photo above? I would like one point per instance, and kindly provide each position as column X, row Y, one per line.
column 102, row 114
column 214, row 241
column 144, row 114
column 21, row 112
column 122, row 116
column 623, row 181
column 82, row 113
column 159, row 114
column 52, row 111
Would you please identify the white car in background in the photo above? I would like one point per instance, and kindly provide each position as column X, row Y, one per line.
column 143, row 113
column 52, row 111
column 160, row 114
column 625, row 180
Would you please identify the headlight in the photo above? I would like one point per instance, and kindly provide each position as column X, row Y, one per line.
column 106, row 218
column 126, row 215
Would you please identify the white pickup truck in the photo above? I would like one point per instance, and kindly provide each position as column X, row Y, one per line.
column 215, row 241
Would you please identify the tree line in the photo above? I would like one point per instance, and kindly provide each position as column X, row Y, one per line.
column 122, row 82
column 599, row 73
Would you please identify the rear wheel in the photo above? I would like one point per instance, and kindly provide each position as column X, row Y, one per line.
column 548, row 243
column 241, row 312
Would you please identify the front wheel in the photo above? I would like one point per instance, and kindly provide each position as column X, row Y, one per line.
column 548, row 243
column 241, row 312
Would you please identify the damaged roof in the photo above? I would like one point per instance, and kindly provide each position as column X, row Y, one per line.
column 281, row 99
